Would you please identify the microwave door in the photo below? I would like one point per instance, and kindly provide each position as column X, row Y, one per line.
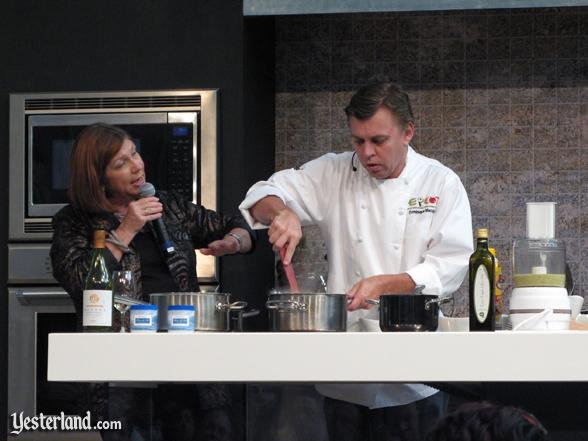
column 50, row 139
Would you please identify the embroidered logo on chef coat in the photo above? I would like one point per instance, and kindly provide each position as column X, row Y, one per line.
column 420, row 205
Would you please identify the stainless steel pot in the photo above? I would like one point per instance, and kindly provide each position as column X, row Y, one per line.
column 212, row 308
column 308, row 312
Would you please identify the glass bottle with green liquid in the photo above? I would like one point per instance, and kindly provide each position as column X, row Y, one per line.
column 482, row 285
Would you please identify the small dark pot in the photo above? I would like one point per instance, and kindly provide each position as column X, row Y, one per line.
column 409, row 312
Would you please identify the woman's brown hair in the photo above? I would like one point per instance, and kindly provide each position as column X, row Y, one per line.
column 92, row 151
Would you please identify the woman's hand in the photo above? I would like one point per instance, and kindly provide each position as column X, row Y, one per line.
column 228, row 245
column 140, row 212
column 285, row 229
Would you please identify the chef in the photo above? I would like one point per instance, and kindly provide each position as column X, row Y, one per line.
column 391, row 219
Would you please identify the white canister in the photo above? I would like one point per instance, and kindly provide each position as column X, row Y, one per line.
column 181, row 318
column 143, row 318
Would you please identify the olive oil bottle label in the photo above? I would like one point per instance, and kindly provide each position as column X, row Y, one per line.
column 481, row 294
column 97, row 305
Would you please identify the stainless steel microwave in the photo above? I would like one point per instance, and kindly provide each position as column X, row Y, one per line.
column 175, row 132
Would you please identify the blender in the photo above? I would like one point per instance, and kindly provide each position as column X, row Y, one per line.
column 540, row 299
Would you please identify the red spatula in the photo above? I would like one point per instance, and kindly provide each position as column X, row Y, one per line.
column 289, row 273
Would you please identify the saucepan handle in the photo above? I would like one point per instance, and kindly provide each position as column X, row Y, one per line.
column 250, row 313
column 237, row 317
column 373, row 301
column 419, row 289
column 438, row 300
column 235, row 306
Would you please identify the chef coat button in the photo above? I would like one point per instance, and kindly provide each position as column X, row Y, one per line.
column 363, row 207
column 359, row 239
column 401, row 212
column 357, row 273
column 396, row 246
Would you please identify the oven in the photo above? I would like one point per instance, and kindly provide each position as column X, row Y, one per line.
column 176, row 134
column 33, row 313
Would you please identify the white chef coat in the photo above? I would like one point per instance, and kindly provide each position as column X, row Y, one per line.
column 419, row 223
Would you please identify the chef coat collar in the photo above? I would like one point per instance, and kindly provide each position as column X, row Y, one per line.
column 409, row 167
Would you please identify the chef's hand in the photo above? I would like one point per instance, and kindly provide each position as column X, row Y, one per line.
column 374, row 286
column 285, row 229
column 228, row 245
column 140, row 212
column 368, row 288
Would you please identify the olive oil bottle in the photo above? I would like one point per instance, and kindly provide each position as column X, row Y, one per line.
column 482, row 285
column 97, row 297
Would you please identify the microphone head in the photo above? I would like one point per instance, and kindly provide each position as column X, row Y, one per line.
column 146, row 190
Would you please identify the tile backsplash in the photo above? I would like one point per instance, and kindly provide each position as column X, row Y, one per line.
column 500, row 96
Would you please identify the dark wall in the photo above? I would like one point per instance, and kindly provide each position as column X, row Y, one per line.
column 251, row 278
column 66, row 45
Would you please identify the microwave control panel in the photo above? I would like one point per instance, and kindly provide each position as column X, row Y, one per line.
column 181, row 161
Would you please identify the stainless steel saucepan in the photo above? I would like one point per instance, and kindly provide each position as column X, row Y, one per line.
column 212, row 309
column 307, row 312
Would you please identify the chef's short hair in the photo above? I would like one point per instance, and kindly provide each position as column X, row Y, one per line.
column 367, row 100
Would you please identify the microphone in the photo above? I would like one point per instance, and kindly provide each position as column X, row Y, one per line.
column 167, row 245
column 353, row 167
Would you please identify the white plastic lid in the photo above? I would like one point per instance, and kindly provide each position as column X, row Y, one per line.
column 541, row 220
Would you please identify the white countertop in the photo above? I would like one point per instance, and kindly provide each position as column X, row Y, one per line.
column 320, row 357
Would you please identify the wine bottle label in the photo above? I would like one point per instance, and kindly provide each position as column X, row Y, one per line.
column 481, row 294
column 97, row 306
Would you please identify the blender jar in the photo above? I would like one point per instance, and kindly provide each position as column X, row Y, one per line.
column 539, row 262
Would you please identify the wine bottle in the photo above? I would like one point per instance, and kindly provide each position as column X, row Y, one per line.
column 97, row 296
column 482, row 285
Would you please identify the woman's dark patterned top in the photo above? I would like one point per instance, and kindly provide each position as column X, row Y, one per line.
column 190, row 226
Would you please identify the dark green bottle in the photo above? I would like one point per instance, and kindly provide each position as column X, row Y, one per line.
column 97, row 306
column 482, row 285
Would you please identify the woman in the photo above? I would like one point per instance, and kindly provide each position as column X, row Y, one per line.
column 106, row 175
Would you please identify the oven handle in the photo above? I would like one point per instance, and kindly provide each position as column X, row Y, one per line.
column 42, row 294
